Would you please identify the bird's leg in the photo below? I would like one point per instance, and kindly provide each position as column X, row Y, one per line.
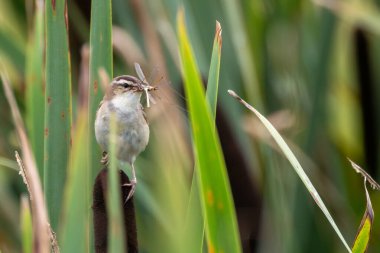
column 132, row 184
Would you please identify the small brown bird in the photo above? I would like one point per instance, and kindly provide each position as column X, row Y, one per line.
column 123, row 100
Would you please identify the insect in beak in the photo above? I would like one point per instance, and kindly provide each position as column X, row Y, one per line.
column 147, row 89
column 144, row 86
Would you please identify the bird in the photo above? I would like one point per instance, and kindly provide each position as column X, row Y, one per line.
column 123, row 100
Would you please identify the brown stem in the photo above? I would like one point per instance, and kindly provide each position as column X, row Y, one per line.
column 100, row 213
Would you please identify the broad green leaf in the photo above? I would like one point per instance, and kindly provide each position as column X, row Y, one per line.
column 100, row 58
column 296, row 165
column 76, row 210
column 194, row 229
column 216, row 198
column 57, row 107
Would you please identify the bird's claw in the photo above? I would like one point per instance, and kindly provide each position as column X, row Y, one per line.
column 132, row 184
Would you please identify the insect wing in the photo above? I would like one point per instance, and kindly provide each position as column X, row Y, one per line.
column 139, row 72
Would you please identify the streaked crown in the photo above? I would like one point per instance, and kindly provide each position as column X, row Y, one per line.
column 127, row 81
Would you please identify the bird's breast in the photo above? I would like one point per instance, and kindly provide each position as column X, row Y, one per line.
column 132, row 128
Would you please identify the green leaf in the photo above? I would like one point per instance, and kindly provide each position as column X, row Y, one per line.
column 75, row 225
column 243, row 50
column 193, row 237
column 8, row 163
column 35, row 87
column 57, row 107
column 26, row 226
column 296, row 165
column 216, row 198
column 100, row 58
column 194, row 227
column 213, row 74
column 116, row 233
column 11, row 48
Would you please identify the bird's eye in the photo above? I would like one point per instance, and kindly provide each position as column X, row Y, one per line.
column 126, row 84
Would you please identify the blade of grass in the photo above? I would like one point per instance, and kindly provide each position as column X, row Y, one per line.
column 364, row 231
column 215, row 192
column 243, row 51
column 30, row 171
column 26, row 226
column 35, row 86
column 116, row 233
column 296, row 165
column 12, row 50
column 320, row 83
column 74, row 232
column 8, row 163
column 100, row 58
column 194, row 221
column 193, row 236
column 213, row 74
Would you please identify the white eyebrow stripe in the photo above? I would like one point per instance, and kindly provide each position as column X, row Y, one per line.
column 122, row 81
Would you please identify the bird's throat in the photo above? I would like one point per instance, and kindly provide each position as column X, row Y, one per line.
column 126, row 100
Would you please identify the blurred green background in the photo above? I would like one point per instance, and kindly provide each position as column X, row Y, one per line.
column 310, row 67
